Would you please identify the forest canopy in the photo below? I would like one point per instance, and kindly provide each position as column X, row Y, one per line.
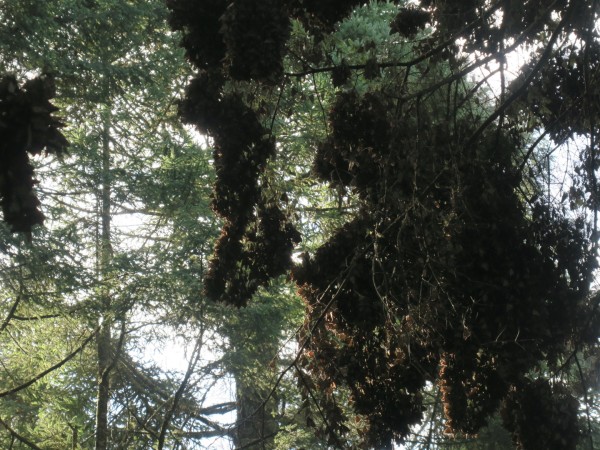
column 386, row 158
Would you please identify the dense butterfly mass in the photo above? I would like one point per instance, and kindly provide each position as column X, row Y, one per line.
column 27, row 127
column 242, row 145
column 449, row 272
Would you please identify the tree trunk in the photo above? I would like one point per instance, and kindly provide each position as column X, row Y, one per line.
column 253, row 346
column 103, row 348
column 256, row 423
column 104, row 258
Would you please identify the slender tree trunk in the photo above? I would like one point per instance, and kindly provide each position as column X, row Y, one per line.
column 103, row 347
column 104, row 334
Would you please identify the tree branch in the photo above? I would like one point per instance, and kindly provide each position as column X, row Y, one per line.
column 11, row 313
column 54, row 367
column 20, row 438
column 451, row 40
